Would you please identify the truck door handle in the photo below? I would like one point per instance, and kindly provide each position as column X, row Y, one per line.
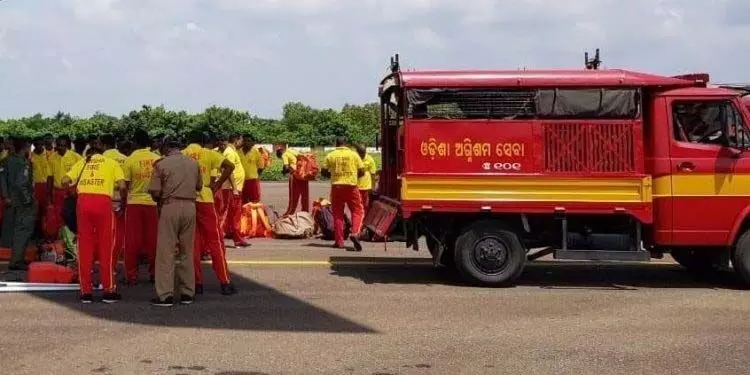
column 686, row 166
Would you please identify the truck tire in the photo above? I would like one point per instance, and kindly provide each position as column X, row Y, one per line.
column 701, row 263
column 741, row 258
column 487, row 254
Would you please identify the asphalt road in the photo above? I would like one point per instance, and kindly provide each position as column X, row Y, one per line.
column 304, row 308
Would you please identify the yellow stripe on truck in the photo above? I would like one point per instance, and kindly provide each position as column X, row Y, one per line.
column 527, row 188
column 702, row 185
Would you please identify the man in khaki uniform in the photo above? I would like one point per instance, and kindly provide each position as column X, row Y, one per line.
column 175, row 183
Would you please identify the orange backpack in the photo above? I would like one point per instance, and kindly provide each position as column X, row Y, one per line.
column 254, row 222
column 307, row 167
column 265, row 158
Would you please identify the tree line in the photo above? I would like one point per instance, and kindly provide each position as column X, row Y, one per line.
column 300, row 125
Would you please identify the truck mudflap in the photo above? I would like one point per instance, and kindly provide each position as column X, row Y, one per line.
column 382, row 216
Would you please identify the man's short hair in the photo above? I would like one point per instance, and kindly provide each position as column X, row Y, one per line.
column 196, row 136
column 340, row 141
column 18, row 144
column 233, row 137
column 108, row 139
column 141, row 138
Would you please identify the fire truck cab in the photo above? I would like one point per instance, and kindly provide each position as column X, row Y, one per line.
column 498, row 168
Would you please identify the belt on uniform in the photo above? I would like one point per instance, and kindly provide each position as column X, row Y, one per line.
column 175, row 200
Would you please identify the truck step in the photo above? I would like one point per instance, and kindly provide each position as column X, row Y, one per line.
column 632, row 256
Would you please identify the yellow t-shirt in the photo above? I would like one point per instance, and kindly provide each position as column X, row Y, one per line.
column 115, row 155
column 61, row 165
column 98, row 177
column 208, row 161
column 40, row 167
column 251, row 163
column 343, row 164
column 238, row 174
column 137, row 169
column 289, row 158
column 365, row 182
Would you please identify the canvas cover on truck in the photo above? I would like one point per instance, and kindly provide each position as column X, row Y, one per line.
column 524, row 103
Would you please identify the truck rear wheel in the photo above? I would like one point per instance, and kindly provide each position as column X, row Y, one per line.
column 487, row 254
column 741, row 258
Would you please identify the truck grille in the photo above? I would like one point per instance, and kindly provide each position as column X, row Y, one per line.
column 589, row 148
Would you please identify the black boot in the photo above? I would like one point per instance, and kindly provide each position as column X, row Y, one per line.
column 228, row 289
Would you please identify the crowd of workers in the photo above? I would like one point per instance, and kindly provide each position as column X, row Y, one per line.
column 168, row 199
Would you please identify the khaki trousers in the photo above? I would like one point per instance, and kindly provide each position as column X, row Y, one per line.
column 174, row 249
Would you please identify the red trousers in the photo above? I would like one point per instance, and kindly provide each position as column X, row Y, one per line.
column 96, row 229
column 299, row 191
column 365, row 197
column 58, row 197
column 229, row 210
column 341, row 196
column 207, row 236
column 120, row 225
column 142, row 222
column 41, row 196
column 251, row 191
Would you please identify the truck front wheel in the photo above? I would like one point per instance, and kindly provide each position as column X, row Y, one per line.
column 486, row 254
column 741, row 258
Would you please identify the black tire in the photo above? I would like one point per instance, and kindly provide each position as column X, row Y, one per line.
column 699, row 262
column 741, row 258
column 486, row 254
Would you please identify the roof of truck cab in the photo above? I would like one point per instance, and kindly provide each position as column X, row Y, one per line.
column 535, row 78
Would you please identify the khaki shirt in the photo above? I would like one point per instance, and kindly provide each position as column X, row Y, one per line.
column 176, row 177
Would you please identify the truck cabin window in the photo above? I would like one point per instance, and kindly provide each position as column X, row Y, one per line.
column 709, row 122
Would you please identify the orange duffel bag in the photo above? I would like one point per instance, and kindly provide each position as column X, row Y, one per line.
column 50, row 272
column 254, row 222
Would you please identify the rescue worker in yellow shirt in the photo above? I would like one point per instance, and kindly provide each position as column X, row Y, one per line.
column 365, row 182
column 230, row 211
column 42, row 175
column 61, row 161
column 95, row 178
column 299, row 190
column 141, row 214
column 345, row 167
column 207, row 233
column 251, row 163
column 118, row 206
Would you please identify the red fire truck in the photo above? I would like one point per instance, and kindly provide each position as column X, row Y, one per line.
column 497, row 168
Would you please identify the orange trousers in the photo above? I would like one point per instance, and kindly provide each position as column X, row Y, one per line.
column 342, row 196
column 208, row 236
column 365, row 196
column 299, row 191
column 142, row 222
column 96, row 229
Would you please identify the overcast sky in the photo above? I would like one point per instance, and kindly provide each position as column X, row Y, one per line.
column 81, row 56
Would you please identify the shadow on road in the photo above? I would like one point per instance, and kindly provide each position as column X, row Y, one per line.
column 256, row 308
column 544, row 274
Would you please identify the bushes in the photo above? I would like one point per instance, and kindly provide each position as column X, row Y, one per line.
column 300, row 125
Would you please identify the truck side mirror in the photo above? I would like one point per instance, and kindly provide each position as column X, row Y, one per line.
column 377, row 141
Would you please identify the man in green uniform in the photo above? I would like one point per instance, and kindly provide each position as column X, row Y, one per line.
column 17, row 185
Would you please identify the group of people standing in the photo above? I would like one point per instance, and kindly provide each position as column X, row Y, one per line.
column 169, row 200
column 124, row 191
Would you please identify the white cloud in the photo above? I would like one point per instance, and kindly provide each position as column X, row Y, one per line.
column 115, row 55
